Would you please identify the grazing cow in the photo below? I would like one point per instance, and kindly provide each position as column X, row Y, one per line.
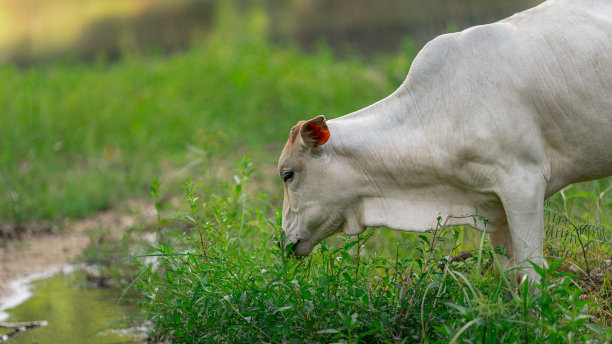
column 489, row 121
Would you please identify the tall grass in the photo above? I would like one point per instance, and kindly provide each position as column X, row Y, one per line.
column 221, row 278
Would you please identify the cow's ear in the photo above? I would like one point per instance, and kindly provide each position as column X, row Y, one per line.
column 314, row 132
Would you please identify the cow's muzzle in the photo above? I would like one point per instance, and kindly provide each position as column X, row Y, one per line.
column 290, row 245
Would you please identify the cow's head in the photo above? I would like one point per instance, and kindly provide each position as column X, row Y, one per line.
column 319, row 193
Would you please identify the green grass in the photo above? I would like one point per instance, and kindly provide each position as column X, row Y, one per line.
column 77, row 137
column 219, row 277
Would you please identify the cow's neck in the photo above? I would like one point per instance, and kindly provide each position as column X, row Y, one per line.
column 390, row 142
column 399, row 162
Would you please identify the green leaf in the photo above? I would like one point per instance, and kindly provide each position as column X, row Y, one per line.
column 554, row 265
column 350, row 245
column 347, row 277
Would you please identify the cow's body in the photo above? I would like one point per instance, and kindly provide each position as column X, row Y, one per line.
column 489, row 122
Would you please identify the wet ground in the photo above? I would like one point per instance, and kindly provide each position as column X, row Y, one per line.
column 37, row 283
column 75, row 313
column 38, row 252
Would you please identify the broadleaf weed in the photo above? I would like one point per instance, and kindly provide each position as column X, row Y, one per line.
column 245, row 287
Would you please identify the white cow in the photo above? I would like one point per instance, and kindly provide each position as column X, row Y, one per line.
column 491, row 120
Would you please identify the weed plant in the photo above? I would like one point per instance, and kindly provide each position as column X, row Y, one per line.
column 222, row 278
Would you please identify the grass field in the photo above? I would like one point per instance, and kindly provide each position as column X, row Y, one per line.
column 76, row 138
column 216, row 274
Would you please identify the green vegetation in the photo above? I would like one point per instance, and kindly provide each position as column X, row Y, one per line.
column 219, row 277
column 76, row 138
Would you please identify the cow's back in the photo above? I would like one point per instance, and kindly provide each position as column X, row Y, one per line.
column 537, row 85
column 568, row 68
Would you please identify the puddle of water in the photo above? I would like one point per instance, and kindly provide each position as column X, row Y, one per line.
column 75, row 314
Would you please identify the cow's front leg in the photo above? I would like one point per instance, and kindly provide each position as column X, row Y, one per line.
column 524, row 205
column 501, row 238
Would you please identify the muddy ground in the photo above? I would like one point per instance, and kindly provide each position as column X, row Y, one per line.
column 39, row 248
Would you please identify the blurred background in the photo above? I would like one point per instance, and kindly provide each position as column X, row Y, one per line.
column 99, row 96
column 39, row 30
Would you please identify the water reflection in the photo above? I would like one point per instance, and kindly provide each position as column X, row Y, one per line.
column 75, row 314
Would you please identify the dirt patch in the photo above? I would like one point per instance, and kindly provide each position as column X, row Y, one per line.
column 597, row 287
column 40, row 249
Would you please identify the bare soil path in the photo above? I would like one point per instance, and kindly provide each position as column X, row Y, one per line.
column 49, row 250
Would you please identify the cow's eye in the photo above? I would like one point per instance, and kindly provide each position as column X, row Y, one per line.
column 287, row 176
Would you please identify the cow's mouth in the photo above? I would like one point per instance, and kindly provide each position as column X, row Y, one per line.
column 302, row 248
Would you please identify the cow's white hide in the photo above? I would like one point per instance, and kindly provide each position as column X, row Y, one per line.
column 489, row 121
